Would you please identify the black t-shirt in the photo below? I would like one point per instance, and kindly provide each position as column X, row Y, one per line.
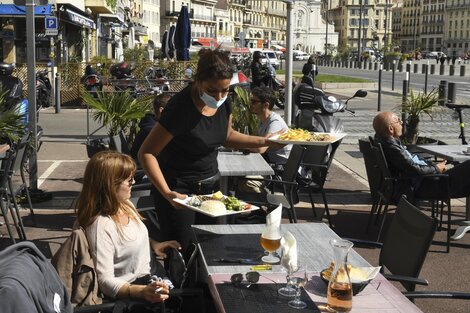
column 192, row 154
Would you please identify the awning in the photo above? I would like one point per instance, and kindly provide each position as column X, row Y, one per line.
column 207, row 42
column 18, row 10
column 278, row 47
column 117, row 17
column 79, row 19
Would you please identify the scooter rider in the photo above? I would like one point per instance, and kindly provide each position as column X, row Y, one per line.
column 258, row 72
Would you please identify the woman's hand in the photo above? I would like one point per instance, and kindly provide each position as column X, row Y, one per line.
column 155, row 292
column 160, row 247
column 172, row 195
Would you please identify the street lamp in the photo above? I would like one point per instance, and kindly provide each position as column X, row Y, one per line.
column 327, row 13
column 359, row 61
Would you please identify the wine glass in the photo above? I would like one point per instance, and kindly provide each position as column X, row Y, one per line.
column 271, row 241
column 298, row 279
column 287, row 290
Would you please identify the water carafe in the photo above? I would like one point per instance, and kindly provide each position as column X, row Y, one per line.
column 340, row 293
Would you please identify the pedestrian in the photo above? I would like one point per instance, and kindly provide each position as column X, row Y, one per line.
column 118, row 239
column 179, row 155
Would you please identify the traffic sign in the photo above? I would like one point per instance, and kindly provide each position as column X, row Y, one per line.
column 51, row 25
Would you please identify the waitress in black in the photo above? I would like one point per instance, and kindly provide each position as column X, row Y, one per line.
column 180, row 154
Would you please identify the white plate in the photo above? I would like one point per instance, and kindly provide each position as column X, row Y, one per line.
column 336, row 137
column 228, row 212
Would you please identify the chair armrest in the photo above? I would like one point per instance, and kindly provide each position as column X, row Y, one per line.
column 311, row 165
column 406, row 279
column 277, row 181
column 436, row 294
column 374, row 244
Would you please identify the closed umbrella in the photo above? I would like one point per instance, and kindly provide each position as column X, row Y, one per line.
column 171, row 45
column 182, row 38
column 165, row 44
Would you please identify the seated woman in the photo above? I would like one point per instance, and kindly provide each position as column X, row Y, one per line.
column 119, row 241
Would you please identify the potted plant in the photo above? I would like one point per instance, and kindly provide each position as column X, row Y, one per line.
column 117, row 111
column 12, row 126
column 415, row 106
column 242, row 117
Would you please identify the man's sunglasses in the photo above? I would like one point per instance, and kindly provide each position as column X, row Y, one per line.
column 251, row 278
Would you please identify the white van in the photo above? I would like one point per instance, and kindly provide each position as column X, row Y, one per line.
column 298, row 55
column 268, row 54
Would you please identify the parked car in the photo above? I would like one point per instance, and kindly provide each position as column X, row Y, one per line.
column 300, row 55
column 272, row 57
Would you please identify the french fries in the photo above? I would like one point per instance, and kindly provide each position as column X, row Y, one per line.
column 297, row 134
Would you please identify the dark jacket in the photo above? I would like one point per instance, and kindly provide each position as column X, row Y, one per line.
column 307, row 69
column 145, row 126
column 29, row 283
column 400, row 162
column 258, row 74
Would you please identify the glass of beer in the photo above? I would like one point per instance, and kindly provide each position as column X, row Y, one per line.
column 271, row 241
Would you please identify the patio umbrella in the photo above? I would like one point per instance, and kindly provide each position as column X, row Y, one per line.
column 131, row 38
column 171, row 45
column 182, row 38
column 165, row 44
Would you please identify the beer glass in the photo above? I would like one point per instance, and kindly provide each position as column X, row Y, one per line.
column 271, row 241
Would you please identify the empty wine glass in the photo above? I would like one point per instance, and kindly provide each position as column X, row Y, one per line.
column 288, row 290
column 298, row 279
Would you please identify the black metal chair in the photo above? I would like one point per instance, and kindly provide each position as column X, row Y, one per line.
column 289, row 185
column 6, row 162
column 405, row 245
column 316, row 162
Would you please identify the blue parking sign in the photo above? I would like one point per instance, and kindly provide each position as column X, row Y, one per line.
column 51, row 25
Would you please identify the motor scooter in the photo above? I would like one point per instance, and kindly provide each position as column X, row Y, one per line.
column 92, row 80
column 43, row 89
column 12, row 88
column 157, row 80
column 315, row 110
column 122, row 71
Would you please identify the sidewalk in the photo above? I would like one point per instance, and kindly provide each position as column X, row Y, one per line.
column 62, row 160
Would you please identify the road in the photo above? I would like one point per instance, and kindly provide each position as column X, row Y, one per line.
column 417, row 81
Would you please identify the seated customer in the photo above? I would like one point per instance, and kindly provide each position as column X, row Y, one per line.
column 388, row 129
column 270, row 123
column 147, row 122
column 118, row 240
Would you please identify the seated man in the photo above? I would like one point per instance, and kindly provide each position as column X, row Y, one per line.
column 147, row 122
column 388, row 129
column 262, row 102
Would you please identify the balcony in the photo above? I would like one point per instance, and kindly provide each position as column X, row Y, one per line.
column 238, row 2
column 99, row 6
column 204, row 17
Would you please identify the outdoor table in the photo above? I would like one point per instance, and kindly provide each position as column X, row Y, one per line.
column 239, row 164
column 242, row 241
column 452, row 153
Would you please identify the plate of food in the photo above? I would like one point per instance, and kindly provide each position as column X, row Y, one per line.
column 216, row 204
column 304, row 137
column 360, row 276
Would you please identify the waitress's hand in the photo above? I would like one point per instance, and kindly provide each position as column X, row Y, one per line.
column 172, row 195
column 156, row 292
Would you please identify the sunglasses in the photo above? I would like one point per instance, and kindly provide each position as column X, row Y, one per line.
column 251, row 278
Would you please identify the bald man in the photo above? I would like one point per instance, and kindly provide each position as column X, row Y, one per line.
column 388, row 129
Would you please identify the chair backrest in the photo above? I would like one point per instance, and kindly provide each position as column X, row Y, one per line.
column 381, row 161
column 407, row 241
column 293, row 163
column 20, row 148
column 320, row 155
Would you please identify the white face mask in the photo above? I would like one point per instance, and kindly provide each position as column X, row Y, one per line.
column 211, row 102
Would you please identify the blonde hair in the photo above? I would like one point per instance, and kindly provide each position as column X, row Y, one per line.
column 104, row 173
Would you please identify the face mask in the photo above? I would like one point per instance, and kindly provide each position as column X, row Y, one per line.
column 211, row 102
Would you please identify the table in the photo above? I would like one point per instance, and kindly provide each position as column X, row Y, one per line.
column 453, row 153
column 238, row 164
column 314, row 251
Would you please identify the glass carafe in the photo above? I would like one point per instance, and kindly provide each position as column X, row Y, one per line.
column 339, row 296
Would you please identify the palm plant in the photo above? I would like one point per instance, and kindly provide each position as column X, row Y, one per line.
column 415, row 106
column 242, row 117
column 118, row 111
column 11, row 122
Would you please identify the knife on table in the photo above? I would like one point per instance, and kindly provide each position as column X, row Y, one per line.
column 237, row 260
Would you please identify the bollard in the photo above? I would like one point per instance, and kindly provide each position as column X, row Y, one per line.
column 393, row 74
column 451, row 70
column 441, row 69
column 425, row 68
column 379, row 99
column 433, row 69
column 462, row 70
column 451, row 93
column 442, row 92
column 57, row 93
column 406, row 84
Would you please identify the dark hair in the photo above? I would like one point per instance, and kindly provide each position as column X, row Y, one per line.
column 311, row 59
column 213, row 64
column 265, row 94
column 160, row 101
